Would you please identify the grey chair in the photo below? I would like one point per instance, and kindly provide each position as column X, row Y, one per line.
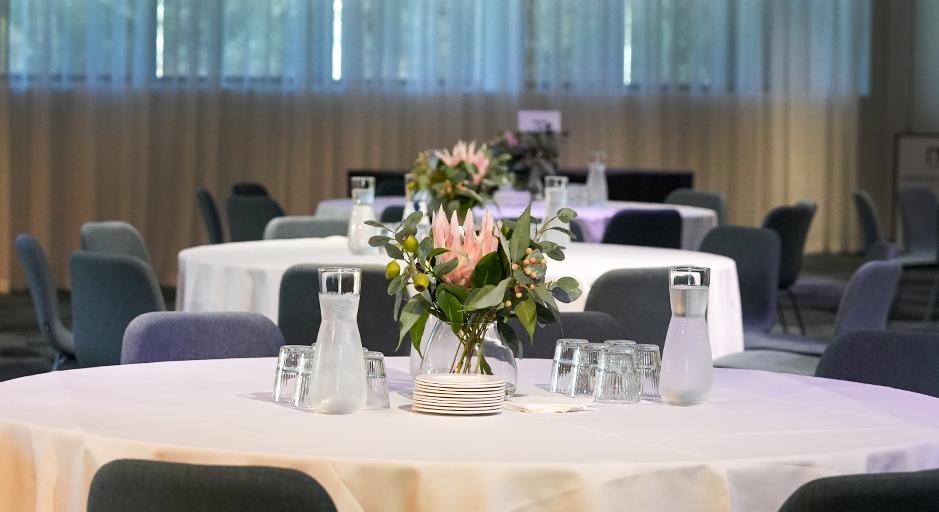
column 637, row 299
column 651, row 228
column 249, row 188
column 896, row 359
column 702, row 199
column 592, row 326
column 393, row 213
column 115, row 237
column 123, row 485
column 213, row 223
column 304, row 226
column 299, row 310
column 918, row 219
column 756, row 253
column 916, row 491
column 42, row 289
column 178, row 336
column 792, row 224
column 249, row 215
column 867, row 218
column 108, row 291
column 865, row 306
column 825, row 293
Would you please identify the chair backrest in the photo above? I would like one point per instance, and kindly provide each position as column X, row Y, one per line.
column 299, row 311
column 576, row 231
column 213, row 224
column 756, row 252
column 389, row 187
column 108, row 291
column 908, row 491
column 304, row 226
column 918, row 218
column 249, row 215
column 115, row 237
column 651, row 228
column 868, row 296
column 637, row 299
column 882, row 250
column 393, row 213
column 867, row 217
column 43, row 291
column 178, row 336
column 593, row 326
column 249, row 188
column 897, row 359
column 702, row 199
column 792, row 224
column 156, row 486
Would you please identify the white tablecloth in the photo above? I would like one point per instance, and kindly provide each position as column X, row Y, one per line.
column 696, row 222
column 760, row 437
column 246, row 276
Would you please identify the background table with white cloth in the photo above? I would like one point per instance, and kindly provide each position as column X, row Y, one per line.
column 593, row 219
column 246, row 276
column 760, row 437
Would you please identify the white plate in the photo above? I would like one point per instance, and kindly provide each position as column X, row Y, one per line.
column 460, row 392
column 460, row 380
column 455, row 412
column 456, row 403
column 443, row 399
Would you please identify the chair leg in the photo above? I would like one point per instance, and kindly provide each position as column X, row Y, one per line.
column 795, row 308
column 931, row 305
column 58, row 361
column 782, row 317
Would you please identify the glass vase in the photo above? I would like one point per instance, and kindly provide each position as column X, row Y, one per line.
column 687, row 367
column 338, row 384
column 597, row 189
column 363, row 197
column 449, row 350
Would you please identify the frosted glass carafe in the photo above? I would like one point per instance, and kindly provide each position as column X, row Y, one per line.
column 555, row 195
column 363, row 196
column 687, row 368
column 597, row 190
column 338, row 385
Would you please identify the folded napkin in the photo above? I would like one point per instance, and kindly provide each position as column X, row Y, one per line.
column 547, row 404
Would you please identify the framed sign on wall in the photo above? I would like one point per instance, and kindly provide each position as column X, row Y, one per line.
column 915, row 162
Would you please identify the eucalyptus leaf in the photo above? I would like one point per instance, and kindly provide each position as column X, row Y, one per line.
column 527, row 315
column 488, row 270
column 410, row 314
column 417, row 332
column 376, row 224
column 545, row 297
column 547, row 316
column 398, row 302
column 521, row 277
column 378, row 240
column 411, row 221
column 563, row 230
column 521, row 235
column 547, row 246
column 486, row 297
column 568, row 283
column 566, row 215
column 442, row 269
column 561, row 295
column 437, row 252
column 460, row 292
column 556, row 254
column 393, row 251
column 397, row 284
column 425, row 248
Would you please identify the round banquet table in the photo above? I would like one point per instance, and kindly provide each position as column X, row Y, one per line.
column 245, row 276
column 759, row 438
column 696, row 222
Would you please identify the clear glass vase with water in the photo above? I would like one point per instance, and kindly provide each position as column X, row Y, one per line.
column 687, row 368
column 338, row 384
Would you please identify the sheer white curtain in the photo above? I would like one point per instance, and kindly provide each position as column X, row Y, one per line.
column 121, row 108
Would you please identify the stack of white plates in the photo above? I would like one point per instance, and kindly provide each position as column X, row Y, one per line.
column 457, row 394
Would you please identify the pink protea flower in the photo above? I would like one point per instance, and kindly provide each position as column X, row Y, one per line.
column 468, row 154
column 510, row 138
column 468, row 247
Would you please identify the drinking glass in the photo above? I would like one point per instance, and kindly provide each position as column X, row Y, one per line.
column 617, row 381
column 620, row 343
column 301, row 396
column 648, row 364
column 288, row 375
column 363, row 196
column 586, row 362
column 562, row 368
column 377, row 381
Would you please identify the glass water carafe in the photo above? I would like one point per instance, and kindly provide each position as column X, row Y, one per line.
column 687, row 371
column 363, row 197
column 597, row 190
column 555, row 195
column 338, row 385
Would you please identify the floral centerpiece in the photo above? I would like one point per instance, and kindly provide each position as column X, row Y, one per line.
column 474, row 282
column 530, row 156
column 460, row 179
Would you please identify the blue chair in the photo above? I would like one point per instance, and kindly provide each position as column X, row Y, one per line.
column 918, row 218
column 114, row 237
column 249, row 188
column 45, row 299
column 248, row 216
column 393, row 213
column 916, row 491
column 702, row 199
column 108, row 291
column 637, row 298
column 825, row 293
column 756, row 253
column 177, row 336
column 867, row 218
column 125, row 485
column 592, row 326
column 304, row 226
column 792, row 224
column 650, row 228
column 213, row 224
column 299, row 310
